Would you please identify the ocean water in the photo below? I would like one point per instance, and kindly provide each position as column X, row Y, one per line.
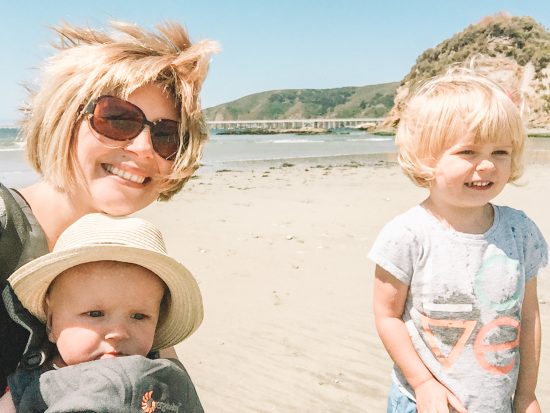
column 9, row 139
column 237, row 148
column 225, row 149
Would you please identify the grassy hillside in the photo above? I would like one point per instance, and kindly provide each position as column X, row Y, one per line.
column 345, row 102
column 519, row 38
column 514, row 51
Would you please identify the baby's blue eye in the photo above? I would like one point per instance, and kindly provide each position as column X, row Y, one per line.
column 139, row 316
column 95, row 313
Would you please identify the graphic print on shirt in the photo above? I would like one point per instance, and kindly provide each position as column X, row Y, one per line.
column 482, row 313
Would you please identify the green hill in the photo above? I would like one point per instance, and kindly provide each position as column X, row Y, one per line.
column 345, row 102
column 514, row 51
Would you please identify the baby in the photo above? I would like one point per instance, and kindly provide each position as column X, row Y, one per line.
column 107, row 290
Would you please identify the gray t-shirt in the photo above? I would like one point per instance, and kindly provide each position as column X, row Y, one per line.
column 464, row 302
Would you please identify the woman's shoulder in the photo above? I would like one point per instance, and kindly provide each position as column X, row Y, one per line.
column 4, row 194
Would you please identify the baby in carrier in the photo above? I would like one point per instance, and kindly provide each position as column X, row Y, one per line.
column 109, row 296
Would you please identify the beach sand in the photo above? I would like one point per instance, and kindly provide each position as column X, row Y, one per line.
column 280, row 253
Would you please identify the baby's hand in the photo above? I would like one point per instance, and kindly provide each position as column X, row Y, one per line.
column 433, row 397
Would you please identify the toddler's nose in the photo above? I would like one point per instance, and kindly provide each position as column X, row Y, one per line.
column 484, row 165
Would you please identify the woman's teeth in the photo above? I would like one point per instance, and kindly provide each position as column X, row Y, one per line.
column 123, row 174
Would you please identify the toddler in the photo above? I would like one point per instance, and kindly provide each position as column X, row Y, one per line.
column 455, row 276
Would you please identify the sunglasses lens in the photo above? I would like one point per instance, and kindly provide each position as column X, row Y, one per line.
column 165, row 138
column 117, row 119
column 122, row 121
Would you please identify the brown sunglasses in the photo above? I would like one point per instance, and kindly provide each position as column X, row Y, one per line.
column 121, row 121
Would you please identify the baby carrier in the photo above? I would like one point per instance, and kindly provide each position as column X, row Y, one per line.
column 16, row 249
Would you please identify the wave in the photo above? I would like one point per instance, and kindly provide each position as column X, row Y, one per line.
column 293, row 141
column 370, row 139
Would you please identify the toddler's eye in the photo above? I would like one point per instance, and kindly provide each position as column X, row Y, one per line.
column 95, row 313
column 139, row 316
column 466, row 152
column 501, row 152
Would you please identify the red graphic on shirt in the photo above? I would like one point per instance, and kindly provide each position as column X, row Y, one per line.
column 467, row 325
column 148, row 405
column 480, row 347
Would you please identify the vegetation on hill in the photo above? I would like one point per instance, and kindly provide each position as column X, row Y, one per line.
column 515, row 51
column 345, row 102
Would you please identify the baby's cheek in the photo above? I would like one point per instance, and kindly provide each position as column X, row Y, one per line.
column 78, row 345
column 144, row 341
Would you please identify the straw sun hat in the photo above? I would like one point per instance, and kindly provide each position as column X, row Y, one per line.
column 100, row 237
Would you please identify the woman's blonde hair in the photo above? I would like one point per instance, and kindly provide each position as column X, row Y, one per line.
column 456, row 104
column 90, row 63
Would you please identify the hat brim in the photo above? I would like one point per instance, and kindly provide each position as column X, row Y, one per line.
column 183, row 313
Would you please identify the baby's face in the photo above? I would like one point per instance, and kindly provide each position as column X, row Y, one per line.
column 103, row 309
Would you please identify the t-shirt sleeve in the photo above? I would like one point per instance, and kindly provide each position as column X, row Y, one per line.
column 535, row 249
column 396, row 250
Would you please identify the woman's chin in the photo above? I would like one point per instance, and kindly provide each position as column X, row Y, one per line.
column 118, row 203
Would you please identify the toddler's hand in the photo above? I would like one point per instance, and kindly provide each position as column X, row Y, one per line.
column 433, row 397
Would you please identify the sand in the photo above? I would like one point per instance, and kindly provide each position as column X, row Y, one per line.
column 280, row 252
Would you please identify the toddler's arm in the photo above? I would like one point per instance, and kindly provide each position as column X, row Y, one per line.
column 389, row 302
column 525, row 400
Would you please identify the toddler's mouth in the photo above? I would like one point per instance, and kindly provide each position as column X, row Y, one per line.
column 479, row 184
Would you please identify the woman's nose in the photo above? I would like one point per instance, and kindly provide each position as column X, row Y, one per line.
column 142, row 143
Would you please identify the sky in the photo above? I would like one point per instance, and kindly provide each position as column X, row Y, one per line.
column 266, row 45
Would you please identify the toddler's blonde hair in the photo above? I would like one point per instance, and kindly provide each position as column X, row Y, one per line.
column 456, row 104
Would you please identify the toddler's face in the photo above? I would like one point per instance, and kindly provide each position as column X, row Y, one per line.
column 103, row 309
column 470, row 174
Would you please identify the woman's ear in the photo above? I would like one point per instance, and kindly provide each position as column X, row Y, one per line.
column 48, row 311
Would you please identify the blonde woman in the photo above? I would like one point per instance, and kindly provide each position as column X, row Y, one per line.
column 115, row 125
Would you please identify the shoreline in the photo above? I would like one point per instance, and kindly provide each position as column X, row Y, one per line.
column 15, row 172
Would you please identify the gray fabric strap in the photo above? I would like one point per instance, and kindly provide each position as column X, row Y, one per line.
column 14, row 234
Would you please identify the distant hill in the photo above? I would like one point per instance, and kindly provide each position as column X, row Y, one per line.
column 345, row 102
column 514, row 51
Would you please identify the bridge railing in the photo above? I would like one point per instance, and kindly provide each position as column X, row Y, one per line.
column 294, row 123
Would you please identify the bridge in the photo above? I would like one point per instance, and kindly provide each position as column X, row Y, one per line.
column 294, row 123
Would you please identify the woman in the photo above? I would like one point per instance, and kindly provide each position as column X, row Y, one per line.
column 115, row 125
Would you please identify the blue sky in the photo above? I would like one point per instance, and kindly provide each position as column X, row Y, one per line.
column 265, row 44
